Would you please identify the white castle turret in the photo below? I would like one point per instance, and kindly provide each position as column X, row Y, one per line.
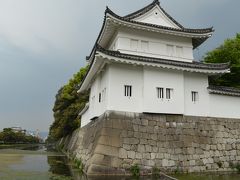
column 143, row 63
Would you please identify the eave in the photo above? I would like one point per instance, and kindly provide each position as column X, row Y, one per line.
column 103, row 56
column 222, row 90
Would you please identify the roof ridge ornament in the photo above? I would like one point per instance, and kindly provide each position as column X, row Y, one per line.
column 156, row 2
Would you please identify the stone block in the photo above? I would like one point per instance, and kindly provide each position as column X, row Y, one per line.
column 122, row 153
column 107, row 150
column 142, row 128
column 165, row 163
column 144, row 122
column 116, row 162
column 148, row 148
column 154, row 137
column 153, row 155
column 143, row 141
column 152, row 123
column 137, row 135
column 152, row 142
column 146, row 156
column 126, row 147
column 131, row 154
column 139, row 155
column 192, row 162
column 141, row 148
column 131, row 141
column 117, row 124
column 135, row 128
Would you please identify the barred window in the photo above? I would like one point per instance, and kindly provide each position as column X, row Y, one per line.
column 169, row 92
column 160, row 93
column 128, row 91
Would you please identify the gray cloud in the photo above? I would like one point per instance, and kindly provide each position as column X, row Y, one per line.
column 42, row 43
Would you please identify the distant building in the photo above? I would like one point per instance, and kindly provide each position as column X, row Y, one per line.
column 18, row 129
column 143, row 63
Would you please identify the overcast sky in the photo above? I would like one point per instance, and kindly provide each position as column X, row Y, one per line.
column 44, row 42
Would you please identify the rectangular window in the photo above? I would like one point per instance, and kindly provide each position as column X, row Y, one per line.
column 128, row 91
column 169, row 93
column 179, row 51
column 100, row 97
column 160, row 93
column 194, row 96
column 170, row 50
column 134, row 44
column 144, row 46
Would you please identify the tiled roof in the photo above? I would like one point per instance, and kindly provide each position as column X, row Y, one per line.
column 224, row 90
column 195, row 65
column 186, row 30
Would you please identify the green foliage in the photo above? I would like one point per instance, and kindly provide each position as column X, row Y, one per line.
column 177, row 170
column 67, row 106
column 9, row 136
column 229, row 51
column 237, row 166
column 135, row 170
column 79, row 164
column 219, row 163
column 156, row 172
column 231, row 165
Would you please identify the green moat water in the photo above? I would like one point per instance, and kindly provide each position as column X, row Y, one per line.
column 37, row 163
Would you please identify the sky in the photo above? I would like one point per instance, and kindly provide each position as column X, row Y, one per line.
column 44, row 42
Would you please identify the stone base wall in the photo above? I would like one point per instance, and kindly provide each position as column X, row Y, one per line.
column 117, row 140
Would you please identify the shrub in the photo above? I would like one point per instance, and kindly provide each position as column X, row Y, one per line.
column 135, row 170
column 79, row 164
column 155, row 171
column 237, row 166
column 219, row 163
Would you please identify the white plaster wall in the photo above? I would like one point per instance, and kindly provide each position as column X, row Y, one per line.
column 85, row 118
column 224, row 106
column 157, row 45
column 198, row 83
column 163, row 78
column 156, row 16
column 99, row 85
column 120, row 75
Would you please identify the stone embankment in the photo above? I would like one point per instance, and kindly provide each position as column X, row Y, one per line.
column 116, row 141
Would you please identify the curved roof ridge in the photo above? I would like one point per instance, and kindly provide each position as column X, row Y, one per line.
column 142, row 10
column 203, row 30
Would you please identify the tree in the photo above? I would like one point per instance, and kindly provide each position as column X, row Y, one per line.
column 229, row 51
column 67, row 106
column 9, row 136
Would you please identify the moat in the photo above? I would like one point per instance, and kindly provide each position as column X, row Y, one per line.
column 39, row 163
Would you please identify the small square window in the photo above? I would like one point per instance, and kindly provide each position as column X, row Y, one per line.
column 179, row 51
column 170, row 50
column 128, row 91
column 134, row 44
column 160, row 93
column 145, row 46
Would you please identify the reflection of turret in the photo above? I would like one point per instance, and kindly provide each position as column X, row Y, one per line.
column 37, row 134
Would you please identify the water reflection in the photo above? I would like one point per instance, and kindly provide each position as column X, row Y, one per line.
column 58, row 165
column 37, row 162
